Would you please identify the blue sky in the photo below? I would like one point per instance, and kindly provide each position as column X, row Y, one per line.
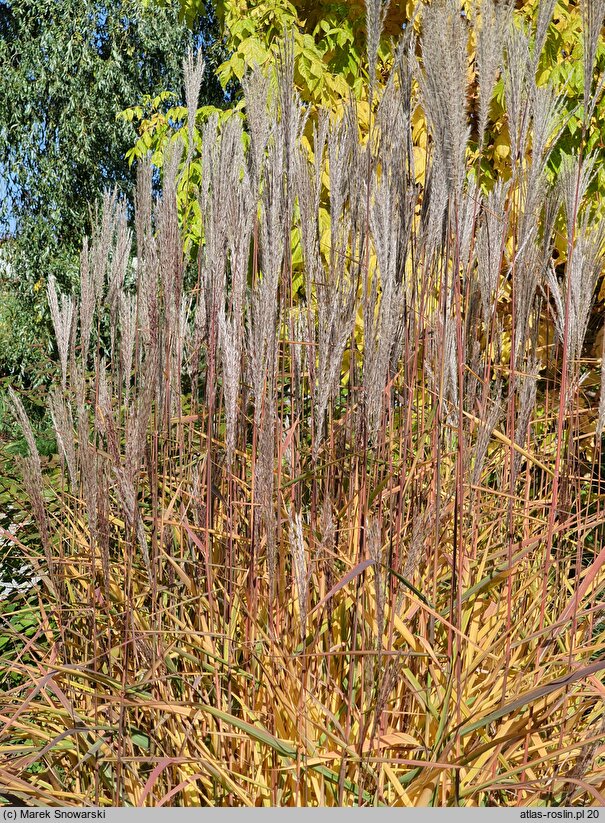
column 6, row 226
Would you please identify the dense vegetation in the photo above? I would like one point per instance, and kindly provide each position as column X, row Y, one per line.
column 326, row 523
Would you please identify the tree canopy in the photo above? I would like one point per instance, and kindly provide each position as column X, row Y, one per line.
column 68, row 68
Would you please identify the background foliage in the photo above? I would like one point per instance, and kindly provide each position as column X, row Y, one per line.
column 67, row 69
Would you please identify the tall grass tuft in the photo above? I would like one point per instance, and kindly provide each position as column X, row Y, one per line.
column 326, row 527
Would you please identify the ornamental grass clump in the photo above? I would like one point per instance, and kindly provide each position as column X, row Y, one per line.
column 327, row 522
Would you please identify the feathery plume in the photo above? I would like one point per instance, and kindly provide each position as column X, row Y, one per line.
column 495, row 20
column 383, row 318
column 581, row 275
column 263, row 309
column 128, row 327
column 87, row 300
column 545, row 13
column 575, row 178
column 256, row 88
column 193, row 73
column 421, row 526
column 376, row 11
column 518, row 85
column 490, row 246
column 488, row 426
column 300, row 569
column 119, row 252
column 443, row 86
column 593, row 13
column 31, row 470
column 62, row 315
column 528, row 271
column 102, row 236
column 63, row 423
